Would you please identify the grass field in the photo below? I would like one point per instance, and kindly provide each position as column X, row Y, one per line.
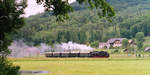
column 147, row 41
column 87, row 66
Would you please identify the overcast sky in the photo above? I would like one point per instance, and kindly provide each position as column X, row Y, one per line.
column 33, row 8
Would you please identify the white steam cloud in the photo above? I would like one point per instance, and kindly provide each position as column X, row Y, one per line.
column 20, row 49
column 72, row 47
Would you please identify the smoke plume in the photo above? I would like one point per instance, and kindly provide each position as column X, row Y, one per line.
column 20, row 49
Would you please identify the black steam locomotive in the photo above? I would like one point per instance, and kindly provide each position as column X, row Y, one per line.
column 98, row 54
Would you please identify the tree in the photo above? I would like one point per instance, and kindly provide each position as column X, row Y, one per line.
column 61, row 8
column 10, row 21
column 125, row 33
column 140, row 39
column 125, row 43
column 6, row 68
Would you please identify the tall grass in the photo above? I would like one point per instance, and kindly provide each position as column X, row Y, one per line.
column 87, row 66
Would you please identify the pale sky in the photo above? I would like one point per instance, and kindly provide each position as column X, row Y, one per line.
column 33, row 8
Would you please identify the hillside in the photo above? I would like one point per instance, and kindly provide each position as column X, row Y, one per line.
column 84, row 26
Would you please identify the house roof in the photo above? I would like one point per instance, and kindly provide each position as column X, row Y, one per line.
column 102, row 43
column 147, row 49
column 112, row 40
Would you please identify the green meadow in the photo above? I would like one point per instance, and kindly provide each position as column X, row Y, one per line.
column 87, row 66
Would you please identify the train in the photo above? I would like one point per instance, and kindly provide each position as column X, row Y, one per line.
column 94, row 54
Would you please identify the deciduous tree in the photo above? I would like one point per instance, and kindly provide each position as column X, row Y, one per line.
column 140, row 39
column 61, row 8
column 10, row 21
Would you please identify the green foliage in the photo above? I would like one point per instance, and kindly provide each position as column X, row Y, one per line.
column 78, row 29
column 140, row 36
column 146, row 42
column 10, row 21
column 85, row 26
column 6, row 68
column 62, row 8
column 95, row 44
column 115, row 51
column 125, row 33
column 131, row 49
column 135, row 24
column 125, row 43
column 140, row 39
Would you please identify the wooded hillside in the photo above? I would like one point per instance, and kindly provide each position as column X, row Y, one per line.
column 84, row 26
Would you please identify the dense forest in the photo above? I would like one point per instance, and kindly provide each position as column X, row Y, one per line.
column 85, row 26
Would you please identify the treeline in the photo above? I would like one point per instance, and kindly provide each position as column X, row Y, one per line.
column 136, row 24
column 80, row 28
column 84, row 26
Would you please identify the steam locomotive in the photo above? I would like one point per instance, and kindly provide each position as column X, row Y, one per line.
column 97, row 54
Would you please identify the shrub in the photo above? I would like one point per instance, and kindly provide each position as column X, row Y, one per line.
column 95, row 44
column 6, row 68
